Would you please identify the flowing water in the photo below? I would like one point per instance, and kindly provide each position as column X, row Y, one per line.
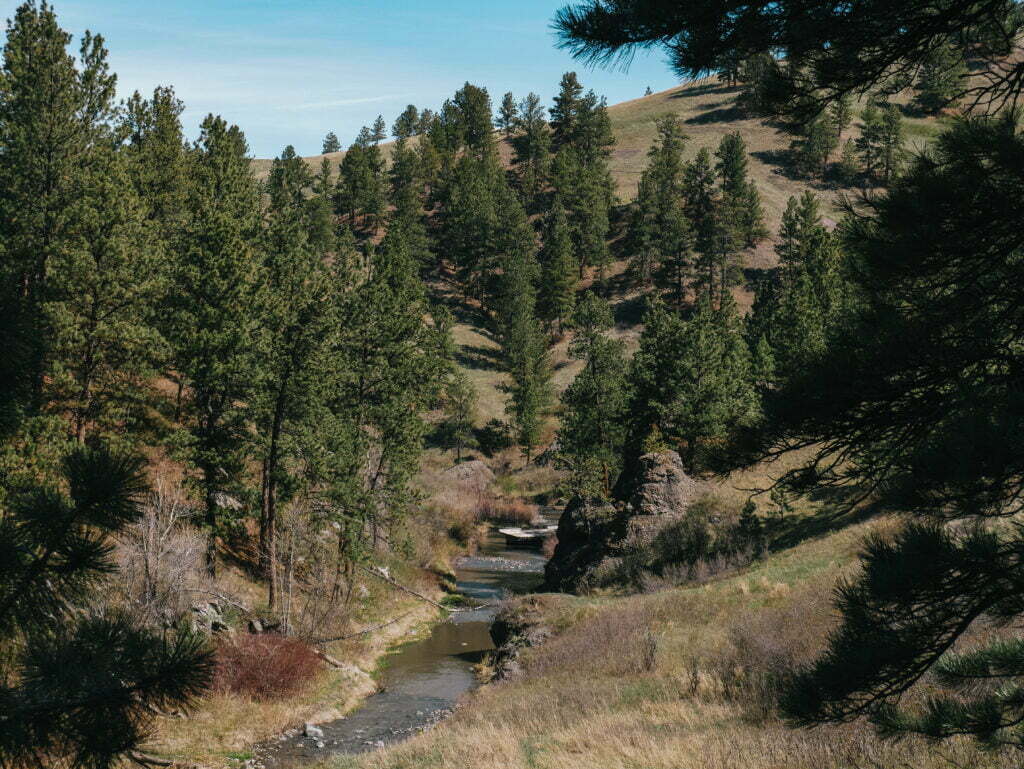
column 425, row 679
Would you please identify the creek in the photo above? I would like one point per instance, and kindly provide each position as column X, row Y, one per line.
column 422, row 681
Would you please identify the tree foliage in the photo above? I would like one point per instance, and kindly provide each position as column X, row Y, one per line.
column 80, row 687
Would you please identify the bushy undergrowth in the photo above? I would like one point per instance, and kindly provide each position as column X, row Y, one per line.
column 464, row 504
column 264, row 667
column 709, row 539
column 767, row 645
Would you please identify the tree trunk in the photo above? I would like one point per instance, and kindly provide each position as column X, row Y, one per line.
column 273, row 459
column 211, row 522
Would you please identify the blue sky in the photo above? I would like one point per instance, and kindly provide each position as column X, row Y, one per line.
column 289, row 72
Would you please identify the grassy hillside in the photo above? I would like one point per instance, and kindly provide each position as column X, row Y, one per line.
column 676, row 679
column 707, row 110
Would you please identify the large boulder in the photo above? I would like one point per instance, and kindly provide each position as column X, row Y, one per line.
column 594, row 535
column 586, row 530
column 662, row 486
column 474, row 473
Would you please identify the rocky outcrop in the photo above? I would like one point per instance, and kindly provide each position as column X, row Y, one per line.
column 662, row 486
column 208, row 618
column 587, row 530
column 593, row 536
column 474, row 473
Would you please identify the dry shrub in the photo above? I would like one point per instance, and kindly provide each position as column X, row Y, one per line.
column 767, row 645
column 264, row 667
column 511, row 511
column 162, row 557
column 613, row 642
column 708, row 540
column 463, row 505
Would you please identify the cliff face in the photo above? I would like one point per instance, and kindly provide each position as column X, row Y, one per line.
column 593, row 535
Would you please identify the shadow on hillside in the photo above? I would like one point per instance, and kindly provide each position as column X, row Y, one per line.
column 838, row 513
column 477, row 357
column 702, row 89
column 781, row 160
column 630, row 312
column 717, row 115
column 753, row 277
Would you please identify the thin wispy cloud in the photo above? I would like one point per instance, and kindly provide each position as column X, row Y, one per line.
column 338, row 103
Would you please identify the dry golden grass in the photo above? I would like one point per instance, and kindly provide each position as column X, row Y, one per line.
column 587, row 702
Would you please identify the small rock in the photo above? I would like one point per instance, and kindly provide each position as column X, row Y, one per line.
column 320, row 744
column 309, row 730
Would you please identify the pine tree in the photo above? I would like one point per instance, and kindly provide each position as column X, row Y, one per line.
column 52, row 115
column 523, row 342
column 585, row 193
column 407, row 124
column 796, row 316
column 216, row 312
column 699, row 191
column 468, row 120
column 799, row 219
column 380, row 130
column 592, row 429
column 407, row 200
column 941, row 79
column 661, row 237
column 732, row 164
column 881, row 141
column 426, row 121
column 593, row 137
column 691, row 380
column 331, row 143
column 840, row 115
column 849, row 166
column 557, row 293
column 160, row 170
column 870, row 140
column 160, row 163
column 566, row 109
column 468, row 222
column 891, row 151
column 532, row 149
column 718, row 263
column 389, row 329
column 106, row 347
column 361, row 181
column 675, row 269
column 814, row 148
column 298, row 318
column 460, row 409
column 763, row 84
column 740, row 198
column 508, row 115
column 80, row 688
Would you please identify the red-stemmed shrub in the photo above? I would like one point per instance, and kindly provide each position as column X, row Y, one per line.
column 264, row 667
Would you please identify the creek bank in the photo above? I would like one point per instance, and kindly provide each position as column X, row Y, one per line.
column 420, row 683
column 517, row 626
